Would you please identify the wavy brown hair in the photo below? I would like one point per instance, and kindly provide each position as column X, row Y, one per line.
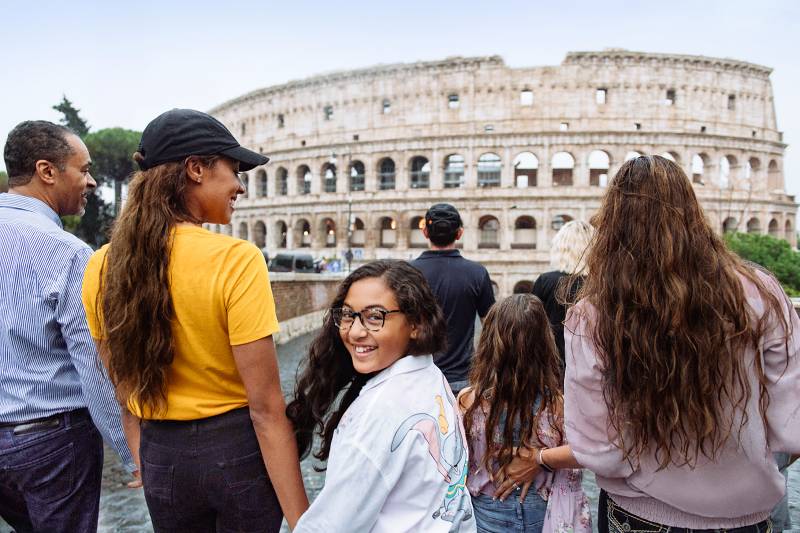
column 137, row 306
column 328, row 370
column 515, row 364
column 671, row 321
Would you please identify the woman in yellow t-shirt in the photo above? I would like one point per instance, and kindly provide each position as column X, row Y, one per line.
column 184, row 320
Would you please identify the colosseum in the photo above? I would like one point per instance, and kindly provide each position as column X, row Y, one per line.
column 358, row 156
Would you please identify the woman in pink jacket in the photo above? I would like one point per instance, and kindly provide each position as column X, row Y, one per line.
column 682, row 365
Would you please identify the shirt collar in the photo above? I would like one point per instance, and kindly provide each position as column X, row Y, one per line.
column 31, row 204
column 440, row 253
column 409, row 363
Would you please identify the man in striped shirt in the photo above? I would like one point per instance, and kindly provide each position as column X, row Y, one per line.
column 54, row 395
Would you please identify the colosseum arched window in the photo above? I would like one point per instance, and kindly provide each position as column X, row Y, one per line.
column 754, row 225
column 328, row 232
column 245, row 179
column 386, row 175
column 524, row 233
column 730, row 225
column 281, row 181
column 789, row 232
column 453, row 171
column 329, row 176
column 558, row 221
column 774, row 228
column 489, row 228
column 599, row 163
column 388, row 229
column 526, row 97
column 358, row 237
column 420, row 173
column 357, row 176
column 699, row 163
column 281, row 234
column 243, row 231
column 302, row 233
column 562, row 164
column 387, row 106
column 727, row 171
column 416, row 239
column 489, row 169
column 261, row 183
column 304, row 178
column 526, row 166
column 260, row 234
column 774, row 180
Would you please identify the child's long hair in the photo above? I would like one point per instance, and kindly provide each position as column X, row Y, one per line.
column 329, row 368
column 516, row 362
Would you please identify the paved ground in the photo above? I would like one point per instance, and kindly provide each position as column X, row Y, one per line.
column 124, row 511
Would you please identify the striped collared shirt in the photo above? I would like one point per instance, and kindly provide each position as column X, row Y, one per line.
column 48, row 359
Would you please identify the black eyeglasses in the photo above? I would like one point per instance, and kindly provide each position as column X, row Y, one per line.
column 372, row 319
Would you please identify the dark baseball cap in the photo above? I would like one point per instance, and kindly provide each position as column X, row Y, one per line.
column 442, row 220
column 179, row 133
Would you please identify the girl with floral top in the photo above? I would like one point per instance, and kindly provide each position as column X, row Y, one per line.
column 515, row 399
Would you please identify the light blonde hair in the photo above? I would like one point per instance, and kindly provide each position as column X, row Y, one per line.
column 570, row 246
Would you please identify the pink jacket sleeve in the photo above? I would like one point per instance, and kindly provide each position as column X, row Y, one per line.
column 585, row 412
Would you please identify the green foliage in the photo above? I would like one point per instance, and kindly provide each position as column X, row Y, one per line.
column 3, row 182
column 112, row 153
column 776, row 255
column 72, row 118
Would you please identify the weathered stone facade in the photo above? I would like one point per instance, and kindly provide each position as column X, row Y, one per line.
column 517, row 150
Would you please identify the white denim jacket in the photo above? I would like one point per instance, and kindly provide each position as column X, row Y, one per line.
column 398, row 459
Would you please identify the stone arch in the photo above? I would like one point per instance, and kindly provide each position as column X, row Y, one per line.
column 327, row 232
column 281, row 181
column 329, row 177
column 281, row 234
column 358, row 236
column 524, row 232
column 727, row 171
column 387, row 174
column 244, row 231
column 730, row 225
column 559, row 220
column 420, row 173
column 774, row 180
column 357, row 176
column 599, row 163
column 489, row 170
column 388, row 232
column 754, row 225
column 302, row 233
column 526, row 168
column 563, row 165
column 415, row 237
column 260, row 234
column 672, row 156
column 261, row 183
column 774, row 229
column 788, row 231
column 489, row 228
column 304, row 179
column 699, row 164
column 453, row 171
column 244, row 177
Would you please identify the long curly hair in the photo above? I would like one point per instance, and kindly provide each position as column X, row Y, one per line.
column 328, row 369
column 671, row 321
column 137, row 308
column 515, row 363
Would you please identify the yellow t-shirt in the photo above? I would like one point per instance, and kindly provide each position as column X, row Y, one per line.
column 222, row 297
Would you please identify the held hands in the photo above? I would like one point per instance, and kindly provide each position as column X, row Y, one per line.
column 517, row 476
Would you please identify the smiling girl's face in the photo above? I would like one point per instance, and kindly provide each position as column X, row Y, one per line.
column 372, row 351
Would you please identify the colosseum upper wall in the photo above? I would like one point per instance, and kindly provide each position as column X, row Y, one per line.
column 358, row 156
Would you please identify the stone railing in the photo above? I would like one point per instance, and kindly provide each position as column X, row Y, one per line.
column 301, row 301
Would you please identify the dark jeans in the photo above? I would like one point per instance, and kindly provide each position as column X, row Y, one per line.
column 207, row 475
column 621, row 521
column 50, row 476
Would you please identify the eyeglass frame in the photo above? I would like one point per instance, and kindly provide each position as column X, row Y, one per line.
column 359, row 315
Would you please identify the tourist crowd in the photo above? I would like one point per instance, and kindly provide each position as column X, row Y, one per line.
column 651, row 356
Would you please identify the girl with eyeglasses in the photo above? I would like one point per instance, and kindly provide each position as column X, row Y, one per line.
column 386, row 418
column 512, row 413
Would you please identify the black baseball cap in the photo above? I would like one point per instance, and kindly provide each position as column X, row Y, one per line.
column 179, row 133
column 442, row 220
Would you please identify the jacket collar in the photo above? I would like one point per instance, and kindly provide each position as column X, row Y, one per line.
column 404, row 365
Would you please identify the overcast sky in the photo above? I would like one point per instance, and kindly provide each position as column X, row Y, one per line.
column 122, row 63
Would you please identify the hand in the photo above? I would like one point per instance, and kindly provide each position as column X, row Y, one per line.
column 137, row 480
column 518, row 475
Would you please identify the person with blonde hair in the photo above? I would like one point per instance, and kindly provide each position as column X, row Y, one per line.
column 568, row 256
